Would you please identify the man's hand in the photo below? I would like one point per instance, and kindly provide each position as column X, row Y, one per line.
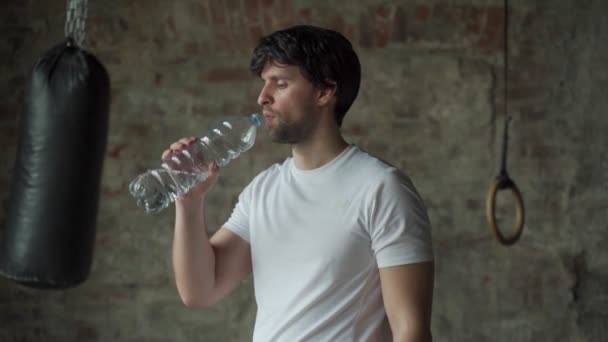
column 197, row 193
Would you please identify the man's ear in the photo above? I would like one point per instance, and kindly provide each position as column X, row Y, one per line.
column 326, row 92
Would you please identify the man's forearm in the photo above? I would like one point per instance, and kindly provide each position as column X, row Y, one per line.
column 411, row 331
column 193, row 257
column 414, row 335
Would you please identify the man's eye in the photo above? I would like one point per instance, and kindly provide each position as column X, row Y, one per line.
column 281, row 85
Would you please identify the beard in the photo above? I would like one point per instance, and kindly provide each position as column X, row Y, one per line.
column 293, row 132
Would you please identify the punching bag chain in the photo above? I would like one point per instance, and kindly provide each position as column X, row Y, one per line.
column 75, row 23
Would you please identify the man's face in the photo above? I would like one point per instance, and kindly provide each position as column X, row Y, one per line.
column 288, row 101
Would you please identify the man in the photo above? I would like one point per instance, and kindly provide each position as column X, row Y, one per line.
column 337, row 240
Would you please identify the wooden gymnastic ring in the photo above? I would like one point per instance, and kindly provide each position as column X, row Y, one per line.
column 499, row 184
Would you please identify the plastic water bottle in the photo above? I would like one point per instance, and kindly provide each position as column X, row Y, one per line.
column 156, row 189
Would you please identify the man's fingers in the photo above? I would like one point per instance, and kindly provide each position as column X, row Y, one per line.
column 182, row 143
column 165, row 154
column 178, row 146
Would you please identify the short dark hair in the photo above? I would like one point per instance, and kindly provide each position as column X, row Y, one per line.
column 323, row 55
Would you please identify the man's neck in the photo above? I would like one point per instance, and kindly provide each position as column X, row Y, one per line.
column 319, row 150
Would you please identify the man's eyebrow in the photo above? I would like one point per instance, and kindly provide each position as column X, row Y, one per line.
column 275, row 77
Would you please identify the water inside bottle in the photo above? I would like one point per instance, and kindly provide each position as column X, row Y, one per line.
column 156, row 189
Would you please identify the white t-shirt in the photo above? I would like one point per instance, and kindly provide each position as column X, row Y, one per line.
column 317, row 240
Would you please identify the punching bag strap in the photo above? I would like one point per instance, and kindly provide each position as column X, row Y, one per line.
column 75, row 22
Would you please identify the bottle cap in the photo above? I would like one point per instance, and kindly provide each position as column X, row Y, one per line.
column 256, row 119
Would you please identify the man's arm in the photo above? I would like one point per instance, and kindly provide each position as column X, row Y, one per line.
column 206, row 270
column 407, row 291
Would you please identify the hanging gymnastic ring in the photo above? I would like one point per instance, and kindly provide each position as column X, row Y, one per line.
column 504, row 182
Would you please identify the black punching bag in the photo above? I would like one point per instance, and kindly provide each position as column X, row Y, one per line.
column 51, row 222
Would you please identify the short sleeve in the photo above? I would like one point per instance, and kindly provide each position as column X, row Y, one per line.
column 238, row 222
column 399, row 226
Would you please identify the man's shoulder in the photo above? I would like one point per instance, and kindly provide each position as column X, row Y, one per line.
column 376, row 171
column 371, row 165
column 271, row 172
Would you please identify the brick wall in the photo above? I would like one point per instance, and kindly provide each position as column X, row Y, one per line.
column 431, row 103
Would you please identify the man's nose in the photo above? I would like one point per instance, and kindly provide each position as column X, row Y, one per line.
column 264, row 98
